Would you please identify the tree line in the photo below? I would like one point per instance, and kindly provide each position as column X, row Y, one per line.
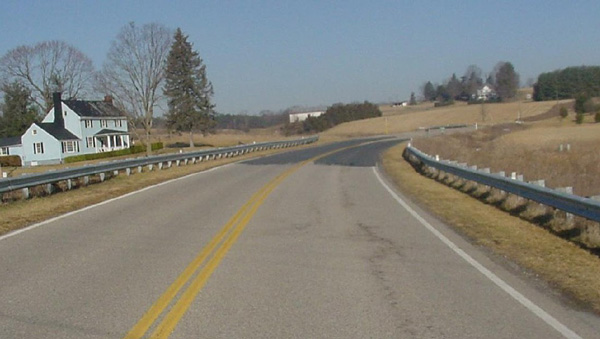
column 334, row 115
column 144, row 66
column 568, row 83
column 503, row 79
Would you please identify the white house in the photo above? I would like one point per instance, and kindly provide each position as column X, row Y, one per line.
column 485, row 93
column 295, row 117
column 71, row 127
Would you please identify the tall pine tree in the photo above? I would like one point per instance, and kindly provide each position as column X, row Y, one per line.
column 18, row 110
column 188, row 90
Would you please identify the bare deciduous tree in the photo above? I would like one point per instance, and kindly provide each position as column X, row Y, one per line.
column 47, row 67
column 135, row 70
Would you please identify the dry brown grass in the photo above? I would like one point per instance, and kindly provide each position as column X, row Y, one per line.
column 532, row 150
column 460, row 113
column 574, row 271
column 219, row 139
column 18, row 214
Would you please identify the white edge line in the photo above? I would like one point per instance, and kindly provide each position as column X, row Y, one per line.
column 550, row 320
column 34, row 226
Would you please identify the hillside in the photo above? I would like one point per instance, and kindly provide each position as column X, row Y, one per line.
column 405, row 119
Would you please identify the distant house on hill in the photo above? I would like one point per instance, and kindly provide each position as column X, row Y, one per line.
column 71, row 127
column 485, row 93
column 296, row 117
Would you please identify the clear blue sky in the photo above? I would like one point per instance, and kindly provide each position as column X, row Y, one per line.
column 276, row 54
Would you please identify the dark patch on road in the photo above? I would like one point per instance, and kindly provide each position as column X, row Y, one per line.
column 297, row 156
column 363, row 156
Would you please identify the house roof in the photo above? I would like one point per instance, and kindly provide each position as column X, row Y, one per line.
column 10, row 141
column 109, row 132
column 57, row 131
column 96, row 109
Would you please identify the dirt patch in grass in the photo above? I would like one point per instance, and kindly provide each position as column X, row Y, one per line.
column 562, row 264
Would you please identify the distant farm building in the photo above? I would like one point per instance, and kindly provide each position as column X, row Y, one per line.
column 296, row 117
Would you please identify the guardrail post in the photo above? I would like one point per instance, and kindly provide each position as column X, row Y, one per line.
column 160, row 165
column 115, row 173
column 568, row 190
column 102, row 176
column 49, row 189
column 128, row 171
column 177, row 163
column 69, row 184
column 540, row 182
column 86, row 180
column 185, row 162
column 169, row 163
column 150, row 167
column 474, row 167
column 501, row 173
column 139, row 169
column 25, row 193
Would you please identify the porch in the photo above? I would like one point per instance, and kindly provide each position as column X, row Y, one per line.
column 110, row 140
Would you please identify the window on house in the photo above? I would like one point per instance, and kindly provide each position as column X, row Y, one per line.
column 4, row 151
column 70, row 146
column 104, row 123
column 89, row 123
column 34, row 131
column 118, row 123
column 90, row 142
column 38, row 148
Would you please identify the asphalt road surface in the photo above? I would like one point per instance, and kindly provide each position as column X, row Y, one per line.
column 306, row 244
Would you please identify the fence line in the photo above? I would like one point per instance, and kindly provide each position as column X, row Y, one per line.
column 584, row 207
column 50, row 178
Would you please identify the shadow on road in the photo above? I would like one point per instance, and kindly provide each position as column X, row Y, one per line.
column 363, row 156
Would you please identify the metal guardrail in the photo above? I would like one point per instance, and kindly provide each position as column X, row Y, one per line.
column 569, row 203
column 443, row 127
column 50, row 177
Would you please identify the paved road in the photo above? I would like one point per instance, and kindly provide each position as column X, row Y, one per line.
column 323, row 250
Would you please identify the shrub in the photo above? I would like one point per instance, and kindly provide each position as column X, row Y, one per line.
column 563, row 112
column 597, row 117
column 580, row 102
column 443, row 103
column 10, row 161
column 579, row 118
column 131, row 150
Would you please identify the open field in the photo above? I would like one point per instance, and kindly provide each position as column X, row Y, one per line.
column 411, row 118
column 563, row 265
column 531, row 149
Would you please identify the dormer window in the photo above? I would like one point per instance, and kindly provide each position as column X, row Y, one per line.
column 89, row 123
column 104, row 123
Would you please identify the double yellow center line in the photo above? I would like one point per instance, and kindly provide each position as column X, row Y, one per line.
column 226, row 237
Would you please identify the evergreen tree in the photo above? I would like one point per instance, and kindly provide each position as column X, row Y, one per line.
column 429, row 91
column 507, row 81
column 454, row 87
column 188, row 89
column 413, row 99
column 19, row 111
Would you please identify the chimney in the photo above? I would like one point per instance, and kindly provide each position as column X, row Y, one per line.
column 108, row 99
column 58, row 114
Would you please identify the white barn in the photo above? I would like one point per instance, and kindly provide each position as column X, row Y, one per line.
column 296, row 117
